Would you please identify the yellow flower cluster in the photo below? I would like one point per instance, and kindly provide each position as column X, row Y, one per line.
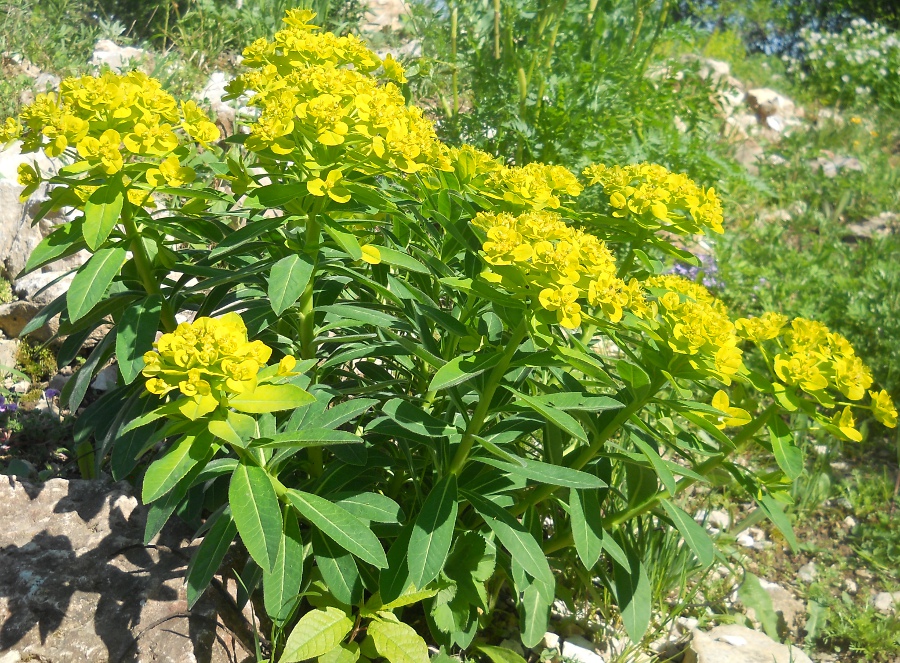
column 698, row 325
column 208, row 359
column 535, row 185
column 814, row 359
column 658, row 199
column 316, row 89
column 537, row 251
column 108, row 119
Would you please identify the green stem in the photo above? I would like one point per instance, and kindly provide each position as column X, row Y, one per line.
column 454, row 76
column 588, row 453
column 307, row 313
column 145, row 270
column 564, row 539
column 484, row 403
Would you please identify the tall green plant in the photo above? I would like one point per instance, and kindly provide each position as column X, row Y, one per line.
column 454, row 388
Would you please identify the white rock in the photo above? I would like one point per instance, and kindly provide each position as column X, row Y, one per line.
column 719, row 519
column 886, row 602
column 850, row 522
column 117, row 58
column 738, row 644
column 572, row 652
column 22, row 386
column 851, row 586
column 807, row 573
column 766, row 103
column 106, row 378
column 11, row 657
column 32, row 286
column 745, row 540
column 550, row 641
column 9, row 351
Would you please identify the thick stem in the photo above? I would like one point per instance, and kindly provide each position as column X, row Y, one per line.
column 145, row 271
column 565, row 539
column 307, row 313
column 590, row 452
column 484, row 403
column 496, row 29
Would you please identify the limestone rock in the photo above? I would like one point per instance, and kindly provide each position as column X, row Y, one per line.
column 808, row 572
column 768, row 103
column 42, row 287
column 578, row 653
column 118, row 58
column 791, row 611
column 9, row 350
column 384, row 15
column 886, row 602
column 77, row 585
column 738, row 644
column 15, row 315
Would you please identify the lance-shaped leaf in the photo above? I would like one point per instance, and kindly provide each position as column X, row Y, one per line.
column 317, row 633
column 344, row 528
column 432, row 534
column 271, row 398
column 787, row 455
column 254, row 507
column 135, row 335
column 338, row 569
column 634, row 597
column 287, row 280
column 555, row 475
column 281, row 586
column 398, row 642
column 101, row 213
column 694, row 535
column 558, row 418
column 535, row 615
column 209, row 555
column 93, row 280
column 179, row 459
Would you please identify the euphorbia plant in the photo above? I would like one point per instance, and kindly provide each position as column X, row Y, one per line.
column 491, row 380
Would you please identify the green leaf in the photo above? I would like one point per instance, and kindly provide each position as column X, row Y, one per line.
column 281, row 586
column 634, row 376
column 523, row 547
column 347, row 241
column 343, row 653
column 271, row 398
column 373, row 506
column 584, row 513
column 338, row 569
column 752, row 595
column 398, row 642
column 308, row 437
column 501, row 654
column 287, row 280
column 317, row 633
column 554, row 475
column 345, row 529
column 396, row 258
column 276, row 195
column 92, row 281
column 64, row 241
column 135, row 335
column 181, row 457
column 536, row 615
column 778, row 517
column 460, row 369
column 432, row 533
column 341, row 413
column 416, row 420
column 634, row 597
column 565, row 422
column 101, row 213
column 255, row 509
column 659, row 466
column 788, row 456
column 694, row 535
column 237, row 429
column 573, row 400
column 209, row 556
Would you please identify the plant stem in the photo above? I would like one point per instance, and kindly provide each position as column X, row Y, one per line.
column 565, row 539
column 484, row 403
column 496, row 29
column 145, row 271
column 307, row 313
column 588, row 453
column 454, row 76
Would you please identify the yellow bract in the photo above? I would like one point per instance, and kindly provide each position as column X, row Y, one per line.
column 656, row 198
column 207, row 360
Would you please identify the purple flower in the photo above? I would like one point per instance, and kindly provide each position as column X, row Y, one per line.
column 51, row 393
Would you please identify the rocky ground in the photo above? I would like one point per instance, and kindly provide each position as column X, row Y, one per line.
column 72, row 557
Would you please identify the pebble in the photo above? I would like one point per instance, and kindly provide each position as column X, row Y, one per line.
column 850, row 522
column 807, row 573
column 573, row 652
column 550, row 641
column 886, row 601
column 21, row 387
column 851, row 586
